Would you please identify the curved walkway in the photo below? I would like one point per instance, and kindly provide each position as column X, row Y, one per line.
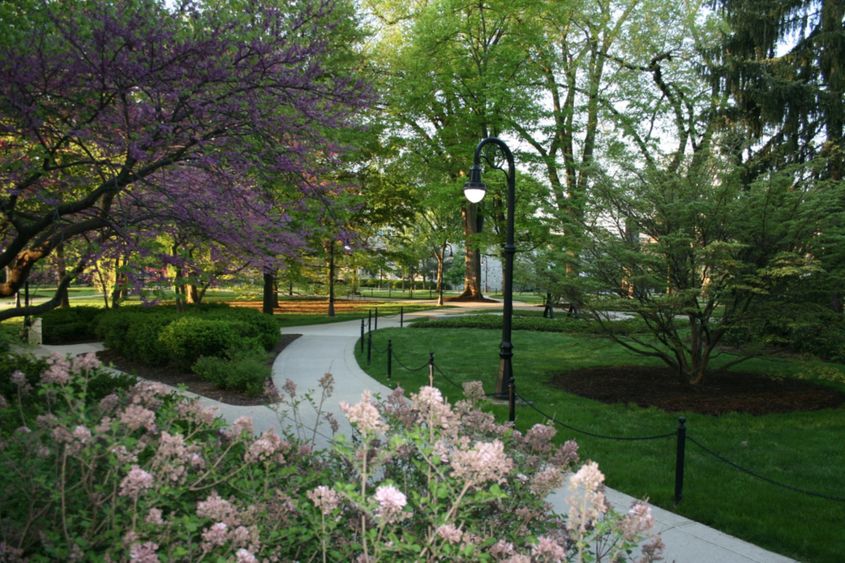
column 329, row 348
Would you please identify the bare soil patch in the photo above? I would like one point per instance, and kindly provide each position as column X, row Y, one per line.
column 721, row 392
column 175, row 377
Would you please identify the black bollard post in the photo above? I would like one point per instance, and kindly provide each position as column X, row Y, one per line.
column 401, row 317
column 389, row 358
column 512, row 400
column 362, row 336
column 369, row 347
column 369, row 320
column 376, row 321
column 679, row 459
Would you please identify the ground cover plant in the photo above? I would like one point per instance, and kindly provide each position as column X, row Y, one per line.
column 146, row 474
column 800, row 448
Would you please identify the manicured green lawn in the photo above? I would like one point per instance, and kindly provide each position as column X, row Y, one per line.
column 384, row 309
column 803, row 449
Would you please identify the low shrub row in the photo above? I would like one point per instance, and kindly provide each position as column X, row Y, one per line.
column 534, row 322
column 70, row 325
column 218, row 343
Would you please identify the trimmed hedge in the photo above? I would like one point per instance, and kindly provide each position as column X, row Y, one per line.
column 230, row 341
column 70, row 325
column 535, row 323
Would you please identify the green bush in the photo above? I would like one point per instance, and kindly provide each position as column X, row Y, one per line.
column 134, row 333
column 70, row 325
column 188, row 338
column 533, row 321
column 246, row 373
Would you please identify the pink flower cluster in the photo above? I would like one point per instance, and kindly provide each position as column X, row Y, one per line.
column 546, row 480
column 217, row 508
column 547, row 549
column 364, row 415
column 324, row 498
column 21, row 382
column 173, row 457
column 433, row 409
column 539, row 437
column 586, row 498
column 136, row 417
column 135, row 483
column 474, row 391
column 195, row 412
column 637, row 521
column 143, row 552
column 85, row 362
column 57, row 372
column 390, row 501
column 266, row 447
column 449, row 533
column 486, row 461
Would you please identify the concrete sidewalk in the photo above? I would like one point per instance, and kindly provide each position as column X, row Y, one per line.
column 330, row 348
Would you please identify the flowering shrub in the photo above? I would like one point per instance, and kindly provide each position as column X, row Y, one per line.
column 146, row 475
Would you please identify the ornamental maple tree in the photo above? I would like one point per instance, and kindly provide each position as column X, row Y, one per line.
column 106, row 106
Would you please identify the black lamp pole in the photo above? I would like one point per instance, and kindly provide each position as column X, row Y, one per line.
column 474, row 190
column 331, row 278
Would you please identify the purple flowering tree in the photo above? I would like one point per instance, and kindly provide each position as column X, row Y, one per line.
column 114, row 115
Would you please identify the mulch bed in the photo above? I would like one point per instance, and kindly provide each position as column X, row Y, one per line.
column 721, row 392
column 175, row 377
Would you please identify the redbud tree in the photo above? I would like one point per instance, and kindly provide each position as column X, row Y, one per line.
column 110, row 110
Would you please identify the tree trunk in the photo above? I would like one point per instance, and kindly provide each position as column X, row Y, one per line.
column 115, row 292
column 64, row 297
column 269, row 287
column 472, row 257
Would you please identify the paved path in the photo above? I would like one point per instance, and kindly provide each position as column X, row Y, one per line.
column 330, row 348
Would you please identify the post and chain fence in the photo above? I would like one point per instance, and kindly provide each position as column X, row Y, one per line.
column 680, row 434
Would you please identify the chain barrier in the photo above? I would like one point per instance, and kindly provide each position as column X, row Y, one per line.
column 756, row 475
column 406, row 368
column 530, row 405
column 704, row 448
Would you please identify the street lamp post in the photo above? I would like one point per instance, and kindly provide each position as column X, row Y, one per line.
column 474, row 191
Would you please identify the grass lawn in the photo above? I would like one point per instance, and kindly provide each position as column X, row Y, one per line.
column 803, row 449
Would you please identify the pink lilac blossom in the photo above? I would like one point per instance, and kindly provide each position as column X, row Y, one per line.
column 539, row 437
column 82, row 434
column 324, row 498
column 136, row 416
column 289, row 387
column 364, row 416
column 474, row 391
column 46, row 420
column 171, row 457
column 501, row 549
column 546, row 480
column 144, row 552
column 243, row 425
column 244, row 556
column 391, row 501
column 85, row 362
column 216, row 508
column 109, row 403
column 103, row 426
column 271, row 391
column 486, row 461
column 517, row 558
column 449, row 533
column 154, row 517
column 637, row 521
column 546, row 549
column 19, row 379
column 566, row 455
column 135, row 483
column 652, row 550
column 195, row 412
column 264, row 448
column 330, row 418
column 149, row 393
column 123, row 455
column 433, row 409
column 216, row 535
column 586, row 498
column 57, row 372
column 327, row 383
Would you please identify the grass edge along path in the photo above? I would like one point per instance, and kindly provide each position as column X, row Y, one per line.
column 800, row 448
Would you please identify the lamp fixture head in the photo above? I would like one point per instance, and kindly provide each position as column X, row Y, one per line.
column 475, row 189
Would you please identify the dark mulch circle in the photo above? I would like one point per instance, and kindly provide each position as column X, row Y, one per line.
column 175, row 377
column 721, row 392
